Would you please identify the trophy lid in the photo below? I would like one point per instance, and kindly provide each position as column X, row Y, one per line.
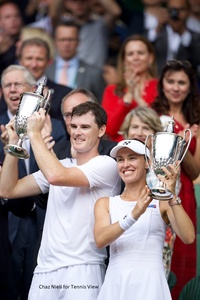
column 41, row 85
column 170, row 125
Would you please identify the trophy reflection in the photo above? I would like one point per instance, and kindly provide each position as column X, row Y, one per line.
column 166, row 148
column 29, row 103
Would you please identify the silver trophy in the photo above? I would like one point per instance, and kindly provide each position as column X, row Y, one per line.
column 166, row 148
column 29, row 103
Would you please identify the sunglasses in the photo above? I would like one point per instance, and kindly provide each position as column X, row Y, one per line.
column 176, row 63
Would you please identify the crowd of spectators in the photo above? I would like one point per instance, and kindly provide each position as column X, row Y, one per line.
column 126, row 53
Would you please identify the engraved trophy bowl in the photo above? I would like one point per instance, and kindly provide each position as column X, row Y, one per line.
column 166, row 148
column 29, row 103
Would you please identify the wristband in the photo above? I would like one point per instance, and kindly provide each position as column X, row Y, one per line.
column 127, row 222
column 177, row 201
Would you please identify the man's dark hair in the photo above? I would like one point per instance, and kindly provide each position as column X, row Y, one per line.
column 95, row 108
column 66, row 23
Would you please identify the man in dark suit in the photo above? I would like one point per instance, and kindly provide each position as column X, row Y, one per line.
column 174, row 40
column 23, row 232
column 76, row 73
column 21, row 208
column 35, row 56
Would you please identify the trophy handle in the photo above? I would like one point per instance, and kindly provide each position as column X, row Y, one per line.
column 147, row 138
column 188, row 144
column 47, row 100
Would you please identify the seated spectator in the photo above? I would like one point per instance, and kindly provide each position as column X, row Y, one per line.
column 67, row 68
column 137, row 84
column 178, row 96
column 35, row 56
column 186, row 43
column 20, row 208
column 31, row 32
column 23, row 231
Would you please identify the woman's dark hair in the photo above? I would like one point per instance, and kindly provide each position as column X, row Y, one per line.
column 191, row 105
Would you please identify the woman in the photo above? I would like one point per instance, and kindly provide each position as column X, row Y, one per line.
column 178, row 97
column 134, row 225
column 138, row 124
column 137, row 85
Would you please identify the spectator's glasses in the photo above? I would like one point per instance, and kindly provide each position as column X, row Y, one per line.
column 17, row 85
column 182, row 63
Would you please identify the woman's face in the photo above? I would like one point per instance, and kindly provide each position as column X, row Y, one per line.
column 176, row 86
column 138, row 129
column 137, row 57
column 131, row 166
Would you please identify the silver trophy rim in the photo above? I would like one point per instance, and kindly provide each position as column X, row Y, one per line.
column 161, row 194
column 16, row 151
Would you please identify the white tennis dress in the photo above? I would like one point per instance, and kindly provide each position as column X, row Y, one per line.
column 135, row 270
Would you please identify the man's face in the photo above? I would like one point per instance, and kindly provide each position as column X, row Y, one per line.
column 85, row 133
column 69, row 104
column 66, row 40
column 10, row 19
column 34, row 58
column 178, row 9
column 13, row 86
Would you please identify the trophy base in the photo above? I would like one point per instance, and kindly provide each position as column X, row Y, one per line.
column 16, row 151
column 162, row 194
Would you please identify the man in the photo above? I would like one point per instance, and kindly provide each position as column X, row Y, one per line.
column 68, row 258
column 35, row 56
column 21, row 208
column 23, row 232
column 67, row 68
column 186, row 43
column 64, row 149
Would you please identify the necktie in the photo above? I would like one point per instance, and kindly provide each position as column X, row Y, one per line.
column 63, row 74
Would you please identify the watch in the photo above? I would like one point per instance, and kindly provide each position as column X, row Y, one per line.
column 177, row 201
